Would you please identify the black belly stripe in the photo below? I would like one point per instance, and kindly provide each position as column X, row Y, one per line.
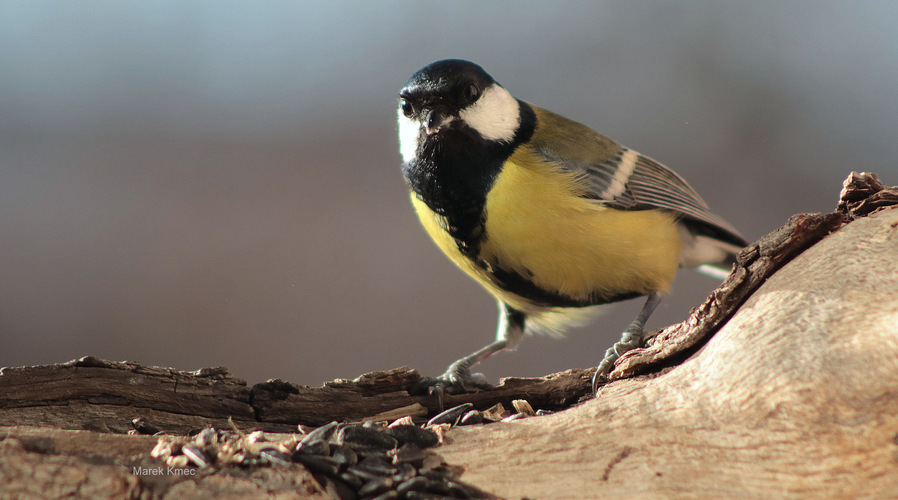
column 513, row 282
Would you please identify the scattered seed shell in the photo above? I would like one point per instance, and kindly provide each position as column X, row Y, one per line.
column 275, row 456
column 406, row 420
column 451, row 415
column 161, row 450
column 364, row 475
column 179, row 461
column 316, row 447
column 405, row 472
column 389, row 495
column 143, row 426
column 365, row 437
column 206, row 437
column 408, row 453
column 440, row 430
column 322, row 433
column 516, row 416
column 372, row 460
column 195, row 455
column 414, row 484
column 522, row 406
column 382, row 470
column 376, row 487
column 412, row 434
column 423, row 495
column 496, row 413
column 315, row 463
column 351, row 479
column 344, row 454
column 255, row 437
column 473, row 417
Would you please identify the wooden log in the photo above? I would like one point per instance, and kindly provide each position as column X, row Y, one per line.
column 94, row 394
column 90, row 393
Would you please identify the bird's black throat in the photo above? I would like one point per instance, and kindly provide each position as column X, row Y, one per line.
column 453, row 171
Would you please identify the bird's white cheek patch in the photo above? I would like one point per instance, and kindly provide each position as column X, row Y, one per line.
column 408, row 136
column 496, row 115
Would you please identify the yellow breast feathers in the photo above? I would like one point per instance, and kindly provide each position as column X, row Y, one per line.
column 538, row 224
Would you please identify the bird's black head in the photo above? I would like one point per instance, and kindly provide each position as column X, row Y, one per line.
column 457, row 127
column 455, row 97
column 443, row 88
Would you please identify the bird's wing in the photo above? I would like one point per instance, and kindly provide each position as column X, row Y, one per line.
column 624, row 179
column 653, row 185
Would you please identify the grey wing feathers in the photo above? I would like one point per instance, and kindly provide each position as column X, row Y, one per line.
column 653, row 184
column 599, row 175
column 622, row 178
column 637, row 182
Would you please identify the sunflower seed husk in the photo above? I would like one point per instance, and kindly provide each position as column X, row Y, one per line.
column 412, row 434
column 344, row 454
column 315, row 447
column 317, row 463
column 195, row 455
column 450, row 416
column 365, row 437
column 473, row 417
column 322, row 433
column 522, row 406
column 275, row 456
column 376, row 487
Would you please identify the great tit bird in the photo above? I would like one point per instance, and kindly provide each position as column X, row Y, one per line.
column 549, row 216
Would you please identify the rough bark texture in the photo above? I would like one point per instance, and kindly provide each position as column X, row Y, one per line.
column 784, row 383
column 94, row 394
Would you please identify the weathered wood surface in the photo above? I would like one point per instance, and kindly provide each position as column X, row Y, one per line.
column 380, row 392
column 778, row 386
column 93, row 394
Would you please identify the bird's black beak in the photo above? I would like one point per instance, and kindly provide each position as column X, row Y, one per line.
column 437, row 119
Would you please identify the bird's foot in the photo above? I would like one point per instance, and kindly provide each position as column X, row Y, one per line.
column 631, row 339
column 457, row 379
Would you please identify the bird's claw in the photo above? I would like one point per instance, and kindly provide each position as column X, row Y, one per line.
column 630, row 340
column 457, row 379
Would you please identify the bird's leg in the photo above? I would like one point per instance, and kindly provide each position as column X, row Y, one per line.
column 458, row 377
column 631, row 339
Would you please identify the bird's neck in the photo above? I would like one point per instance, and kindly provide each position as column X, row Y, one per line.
column 453, row 172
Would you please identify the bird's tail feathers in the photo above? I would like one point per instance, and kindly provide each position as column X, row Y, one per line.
column 711, row 256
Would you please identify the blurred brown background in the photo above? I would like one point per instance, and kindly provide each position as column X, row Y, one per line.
column 195, row 184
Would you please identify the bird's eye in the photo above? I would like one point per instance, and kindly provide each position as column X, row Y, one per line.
column 472, row 92
column 407, row 108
